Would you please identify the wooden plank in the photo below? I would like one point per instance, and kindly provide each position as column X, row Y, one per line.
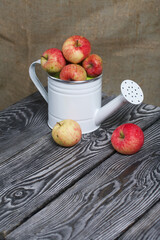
column 42, row 171
column 105, row 202
column 148, row 227
column 22, row 124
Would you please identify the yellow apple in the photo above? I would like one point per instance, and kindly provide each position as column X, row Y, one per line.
column 67, row 133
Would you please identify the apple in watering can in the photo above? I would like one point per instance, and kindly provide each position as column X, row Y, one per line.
column 76, row 48
column 73, row 72
column 93, row 65
column 52, row 61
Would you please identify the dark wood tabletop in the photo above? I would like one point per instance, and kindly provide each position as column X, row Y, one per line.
column 85, row 192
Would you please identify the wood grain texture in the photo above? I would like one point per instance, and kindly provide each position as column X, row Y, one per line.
column 40, row 172
column 105, row 202
column 22, row 124
column 148, row 227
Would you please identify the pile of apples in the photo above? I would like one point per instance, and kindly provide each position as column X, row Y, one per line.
column 74, row 63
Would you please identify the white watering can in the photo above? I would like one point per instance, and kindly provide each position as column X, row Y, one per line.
column 81, row 100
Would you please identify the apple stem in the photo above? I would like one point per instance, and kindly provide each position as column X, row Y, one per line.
column 121, row 134
column 44, row 57
column 59, row 123
column 77, row 43
column 90, row 65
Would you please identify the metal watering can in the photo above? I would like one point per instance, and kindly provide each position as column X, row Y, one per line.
column 81, row 100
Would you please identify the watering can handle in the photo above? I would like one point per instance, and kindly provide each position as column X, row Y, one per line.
column 36, row 80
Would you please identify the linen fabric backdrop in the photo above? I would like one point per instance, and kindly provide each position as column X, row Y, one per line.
column 125, row 33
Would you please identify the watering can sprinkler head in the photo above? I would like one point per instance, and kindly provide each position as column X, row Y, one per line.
column 130, row 92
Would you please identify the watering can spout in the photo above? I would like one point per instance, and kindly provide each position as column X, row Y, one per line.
column 108, row 109
column 130, row 92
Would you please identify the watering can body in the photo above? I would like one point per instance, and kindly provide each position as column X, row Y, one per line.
column 76, row 100
column 67, row 100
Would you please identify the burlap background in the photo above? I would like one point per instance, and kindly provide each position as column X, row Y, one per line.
column 125, row 33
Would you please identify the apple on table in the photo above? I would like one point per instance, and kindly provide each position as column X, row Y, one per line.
column 67, row 133
column 128, row 138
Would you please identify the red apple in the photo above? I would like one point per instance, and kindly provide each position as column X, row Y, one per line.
column 73, row 72
column 93, row 65
column 67, row 133
column 76, row 48
column 52, row 60
column 128, row 138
